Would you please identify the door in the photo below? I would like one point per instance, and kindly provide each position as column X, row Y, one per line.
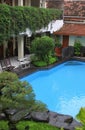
column 65, row 41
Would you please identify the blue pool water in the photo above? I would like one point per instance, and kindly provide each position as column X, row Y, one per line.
column 62, row 88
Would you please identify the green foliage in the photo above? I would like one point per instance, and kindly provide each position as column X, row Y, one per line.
column 43, row 48
column 5, row 22
column 4, row 125
column 43, row 63
column 81, row 117
column 35, row 125
column 14, row 20
column 77, row 47
column 17, row 94
column 32, row 125
column 57, row 42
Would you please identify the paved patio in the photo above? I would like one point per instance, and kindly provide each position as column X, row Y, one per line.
column 18, row 63
column 31, row 69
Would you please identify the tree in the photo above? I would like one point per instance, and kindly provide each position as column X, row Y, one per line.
column 17, row 94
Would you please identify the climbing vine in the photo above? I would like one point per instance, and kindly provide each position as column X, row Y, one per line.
column 14, row 20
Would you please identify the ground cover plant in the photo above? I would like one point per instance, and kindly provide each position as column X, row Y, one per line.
column 28, row 124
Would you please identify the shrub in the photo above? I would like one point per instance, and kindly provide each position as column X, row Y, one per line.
column 77, row 47
column 43, row 48
column 81, row 117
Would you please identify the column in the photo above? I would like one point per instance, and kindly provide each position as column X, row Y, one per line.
column 4, row 48
column 29, row 1
column 42, row 3
column 14, row 46
column 20, row 2
column 20, row 47
column 13, row 3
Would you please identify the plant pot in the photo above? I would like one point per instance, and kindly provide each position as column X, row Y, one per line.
column 58, row 51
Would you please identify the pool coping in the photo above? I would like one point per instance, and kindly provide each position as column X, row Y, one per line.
column 33, row 69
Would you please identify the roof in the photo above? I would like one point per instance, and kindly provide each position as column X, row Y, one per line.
column 74, row 8
column 72, row 29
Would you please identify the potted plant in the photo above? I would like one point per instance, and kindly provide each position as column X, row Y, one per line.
column 58, row 48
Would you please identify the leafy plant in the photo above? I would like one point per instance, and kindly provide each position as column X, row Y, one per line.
column 43, row 48
column 57, row 42
column 14, row 20
column 77, row 47
column 81, row 117
column 43, row 63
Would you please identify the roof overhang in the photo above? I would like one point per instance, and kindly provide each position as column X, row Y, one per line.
column 71, row 29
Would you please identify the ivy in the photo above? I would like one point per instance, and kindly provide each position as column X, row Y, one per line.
column 14, row 20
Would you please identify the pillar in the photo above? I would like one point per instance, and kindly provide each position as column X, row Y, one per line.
column 20, row 2
column 4, row 48
column 20, row 47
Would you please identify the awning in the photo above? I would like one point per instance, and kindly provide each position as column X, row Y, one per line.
column 72, row 29
column 52, row 26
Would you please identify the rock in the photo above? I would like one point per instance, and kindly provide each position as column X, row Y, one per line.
column 64, row 118
column 40, row 116
column 10, row 111
column 2, row 116
column 76, row 123
column 52, row 118
column 66, row 122
column 63, row 121
column 27, row 117
column 19, row 116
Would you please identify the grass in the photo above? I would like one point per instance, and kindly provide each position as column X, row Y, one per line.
column 32, row 125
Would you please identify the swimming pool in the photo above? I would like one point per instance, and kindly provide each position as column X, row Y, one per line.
column 62, row 88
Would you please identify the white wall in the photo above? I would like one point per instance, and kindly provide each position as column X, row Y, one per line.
column 73, row 38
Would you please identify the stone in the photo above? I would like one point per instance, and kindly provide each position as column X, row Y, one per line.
column 19, row 116
column 2, row 116
column 64, row 118
column 10, row 111
column 27, row 117
column 40, row 116
column 63, row 121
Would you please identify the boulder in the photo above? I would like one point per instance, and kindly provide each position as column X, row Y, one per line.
column 10, row 111
column 63, row 121
column 2, row 116
column 19, row 116
column 40, row 116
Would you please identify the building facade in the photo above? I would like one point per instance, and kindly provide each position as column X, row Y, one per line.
column 17, row 46
column 58, row 4
column 74, row 22
column 35, row 3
